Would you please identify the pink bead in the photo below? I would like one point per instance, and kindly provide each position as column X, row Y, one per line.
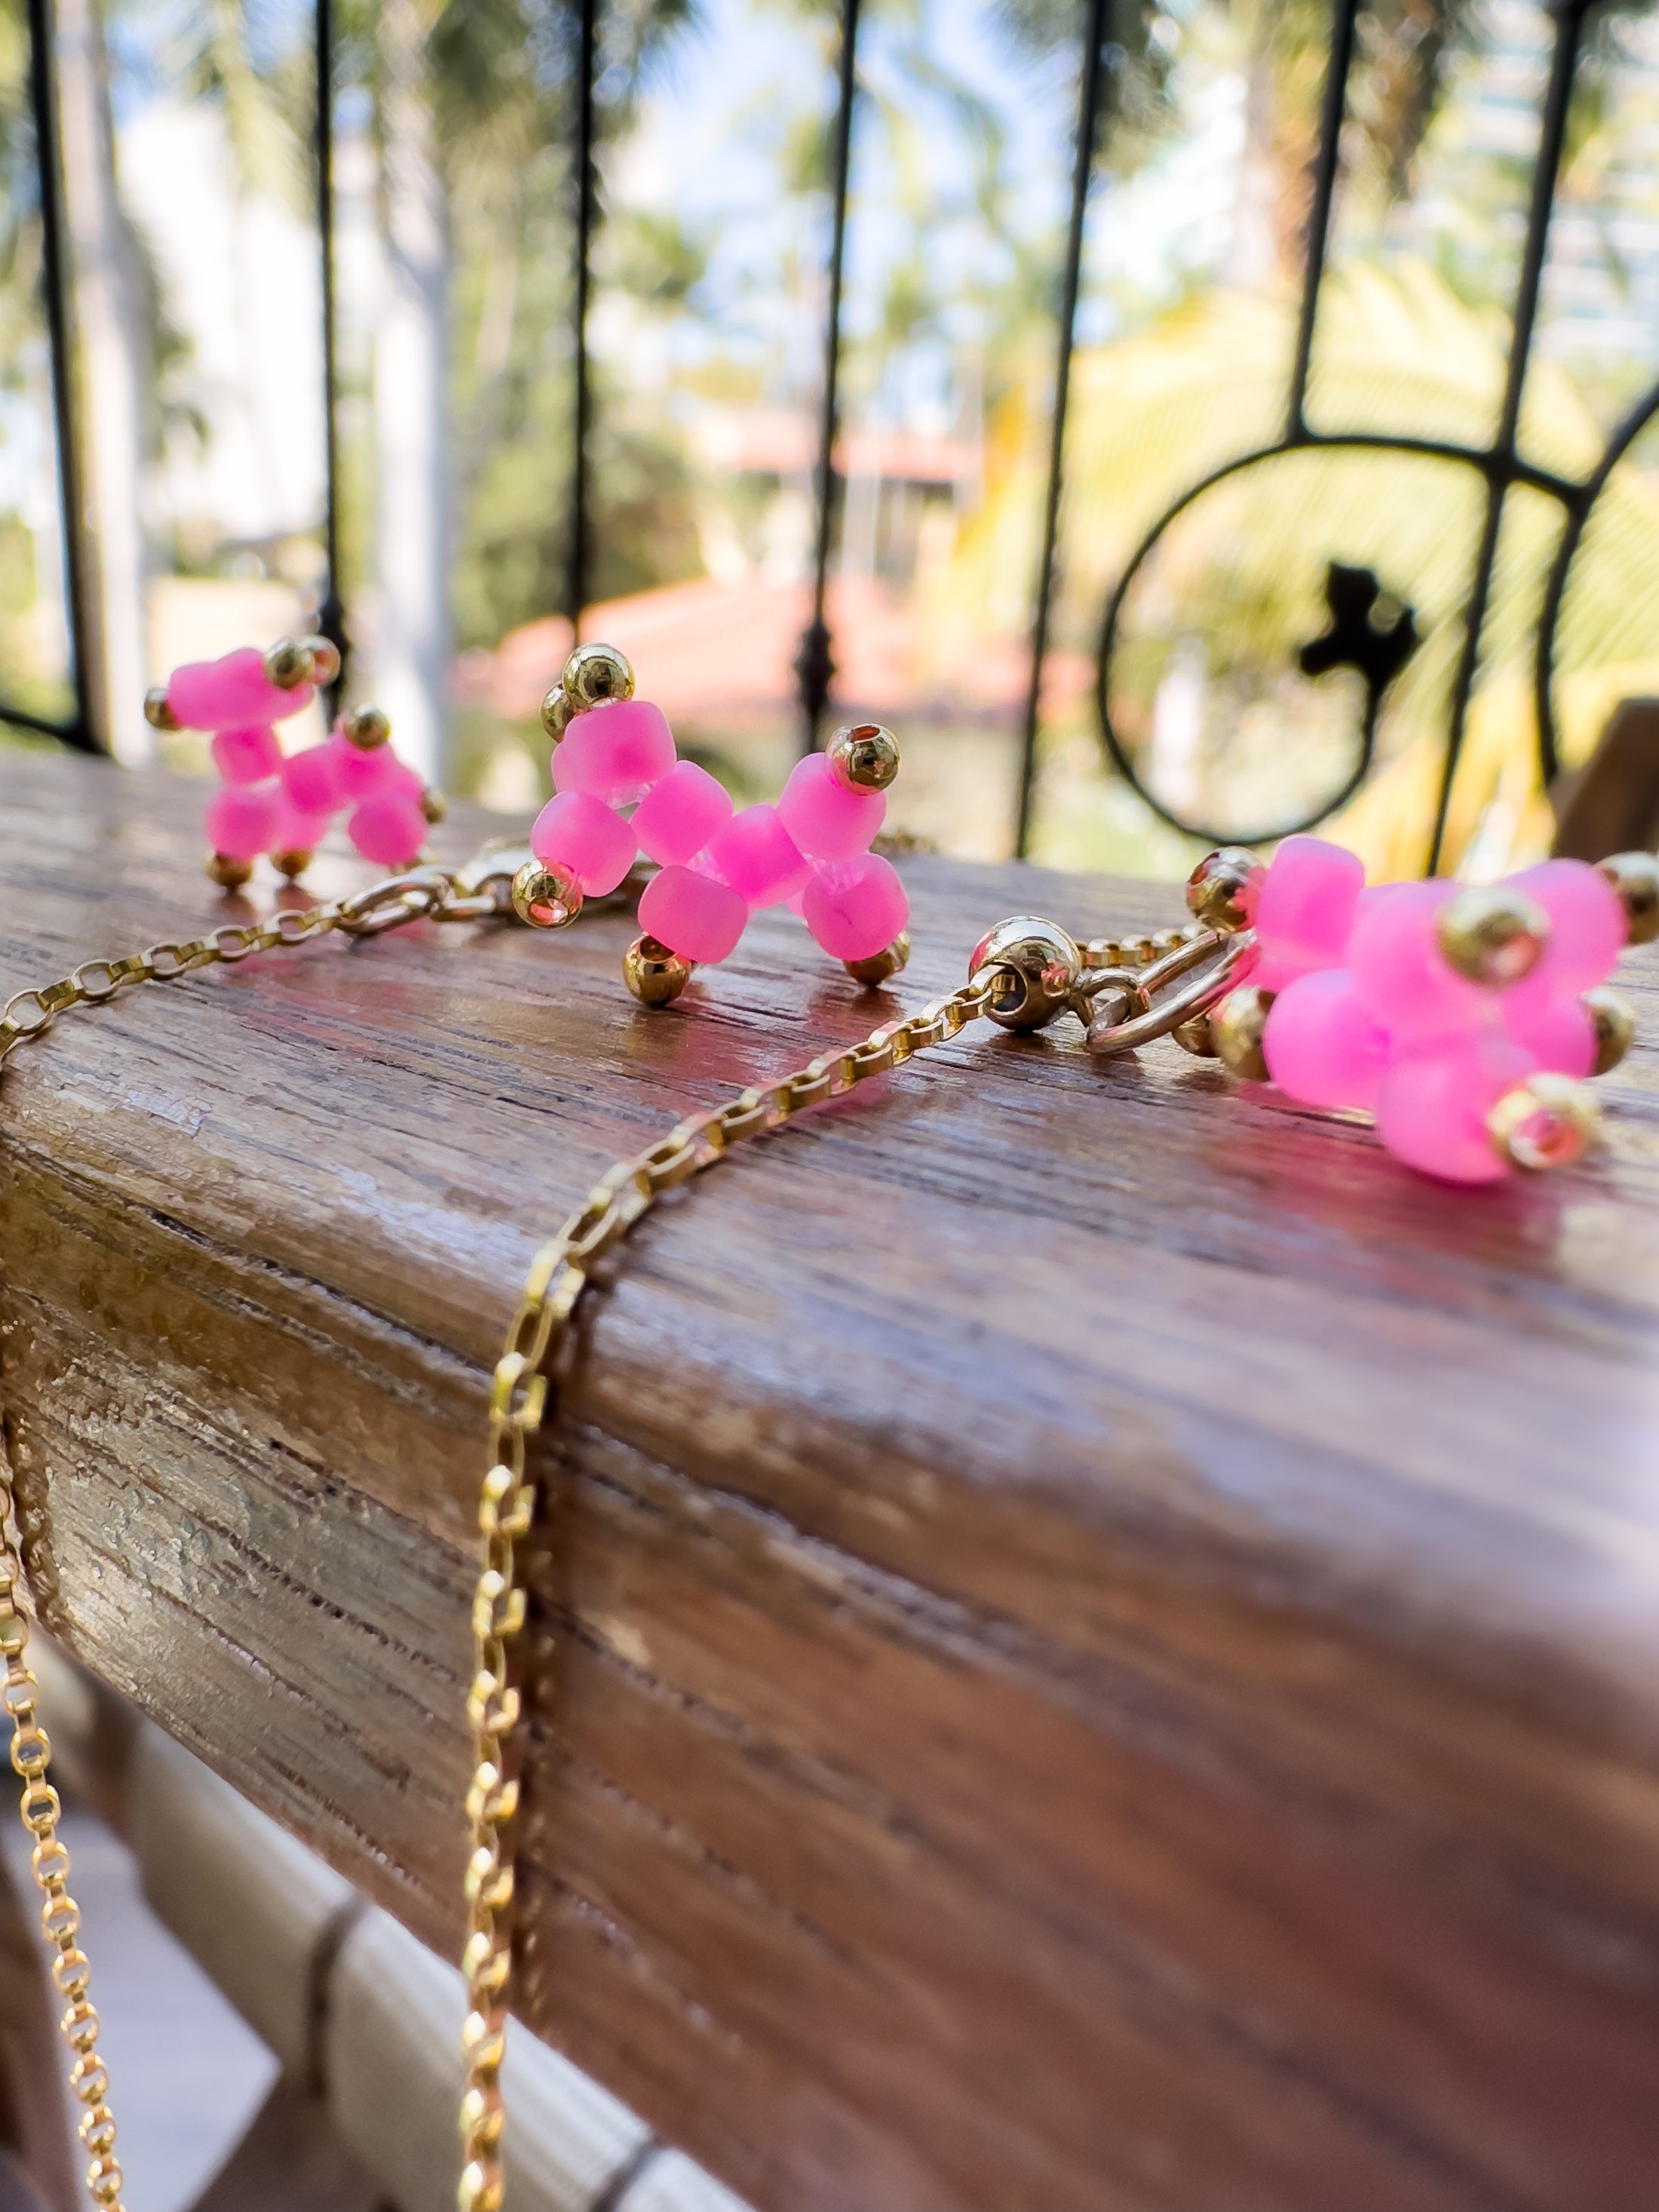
column 1397, row 968
column 389, row 829
column 1305, row 911
column 1321, row 1047
column 615, row 752
column 311, row 779
column 250, row 755
column 231, row 693
column 578, row 834
column 1588, row 928
column 1557, row 1033
column 759, row 858
column 296, row 832
column 1432, row 1103
column 826, row 820
column 855, row 907
column 695, row 915
column 680, row 815
column 241, row 820
column 359, row 774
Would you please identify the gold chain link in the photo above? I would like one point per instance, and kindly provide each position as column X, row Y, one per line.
column 508, row 1504
column 383, row 906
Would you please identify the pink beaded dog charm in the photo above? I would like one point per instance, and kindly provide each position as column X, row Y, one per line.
column 282, row 803
column 620, row 791
column 1466, row 1019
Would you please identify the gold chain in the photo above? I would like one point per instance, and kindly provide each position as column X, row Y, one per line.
column 507, row 1507
column 387, row 905
column 60, row 1916
column 432, row 892
column 507, row 1504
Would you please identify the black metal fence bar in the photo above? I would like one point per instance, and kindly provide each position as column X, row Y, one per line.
column 1579, row 507
column 1569, row 27
column 587, row 214
column 331, row 615
column 815, row 665
column 1088, row 120
column 1326, row 166
column 54, row 283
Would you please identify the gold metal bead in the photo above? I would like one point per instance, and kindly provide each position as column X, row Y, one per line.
column 1493, row 934
column 652, row 973
column 1036, row 970
column 292, row 865
column 288, row 664
column 157, row 713
column 594, row 673
column 1197, row 1038
column 1220, row 890
column 1615, row 1026
column 556, row 712
column 544, row 898
column 864, row 757
column 1237, row 1026
column 230, row 875
column 1634, row 877
column 882, row 966
column 1102, row 953
column 325, row 659
column 367, row 728
column 433, row 804
column 1548, row 1121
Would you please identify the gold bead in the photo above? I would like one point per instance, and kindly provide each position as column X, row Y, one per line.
column 654, row 975
column 1036, row 970
column 1197, row 1038
column 325, row 659
column 367, row 728
column 292, row 865
column 1493, row 935
column 1221, row 889
column 864, row 757
column 1235, row 1028
column 433, row 804
column 230, row 875
column 1102, row 953
column 288, row 664
column 1634, row 877
column 544, row 898
column 556, row 712
column 881, row 966
column 157, row 713
column 593, row 673
column 1615, row 1026
column 1548, row 1121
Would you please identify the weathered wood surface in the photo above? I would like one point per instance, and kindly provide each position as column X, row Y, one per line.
column 1098, row 1642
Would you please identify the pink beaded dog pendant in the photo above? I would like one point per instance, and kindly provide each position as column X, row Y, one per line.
column 281, row 803
column 620, row 791
column 1465, row 1019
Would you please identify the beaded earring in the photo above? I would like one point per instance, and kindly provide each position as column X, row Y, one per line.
column 715, row 866
column 282, row 804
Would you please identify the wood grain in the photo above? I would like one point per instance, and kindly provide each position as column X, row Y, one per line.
column 1096, row 1642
